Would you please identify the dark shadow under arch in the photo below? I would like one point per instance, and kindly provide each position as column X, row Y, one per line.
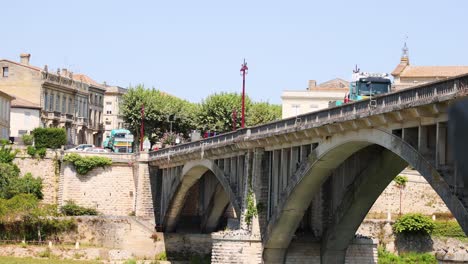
column 191, row 173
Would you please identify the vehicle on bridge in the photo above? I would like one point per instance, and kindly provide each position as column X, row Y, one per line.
column 365, row 85
column 120, row 141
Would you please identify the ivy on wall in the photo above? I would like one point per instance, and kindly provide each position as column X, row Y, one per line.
column 83, row 165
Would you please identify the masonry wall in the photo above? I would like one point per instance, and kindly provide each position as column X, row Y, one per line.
column 42, row 168
column 417, row 197
column 110, row 190
column 236, row 249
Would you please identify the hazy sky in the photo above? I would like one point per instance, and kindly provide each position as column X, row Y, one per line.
column 194, row 48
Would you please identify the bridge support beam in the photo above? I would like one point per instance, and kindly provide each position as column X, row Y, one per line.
column 368, row 184
column 274, row 255
column 218, row 205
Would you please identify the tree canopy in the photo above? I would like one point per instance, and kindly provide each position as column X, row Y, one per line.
column 164, row 113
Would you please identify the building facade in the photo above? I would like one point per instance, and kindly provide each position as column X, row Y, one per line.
column 315, row 97
column 25, row 117
column 113, row 118
column 5, row 103
column 63, row 98
column 406, row 75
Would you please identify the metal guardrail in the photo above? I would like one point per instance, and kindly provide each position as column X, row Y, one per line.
column 422, row 93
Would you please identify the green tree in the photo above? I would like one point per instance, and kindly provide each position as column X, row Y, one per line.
column 400, row 182
column 261, row 113
column 215, row 112
column 160, row 108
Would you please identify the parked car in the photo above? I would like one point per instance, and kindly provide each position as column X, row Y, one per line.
column 82, row 147
column 97, row 150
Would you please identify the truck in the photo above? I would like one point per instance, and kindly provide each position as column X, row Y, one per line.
column 119, row 141
column 365, row 85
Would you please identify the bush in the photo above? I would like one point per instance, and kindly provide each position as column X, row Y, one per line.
column 72, row 209
column 42, row 152
column 84, row 165
column 7, row 155
column 26, row 184
column 49, row 137
column 413, row 224
column 27, row 139
column 31, row 150
column 448, row 229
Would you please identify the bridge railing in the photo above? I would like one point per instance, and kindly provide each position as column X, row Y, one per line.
column 423, row 92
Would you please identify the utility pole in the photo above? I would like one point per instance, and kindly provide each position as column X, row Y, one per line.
column 142, row 126
column 244, row 70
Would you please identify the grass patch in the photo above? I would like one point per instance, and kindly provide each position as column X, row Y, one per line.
column 386, row 257
column 14, row 260
column 448, row 229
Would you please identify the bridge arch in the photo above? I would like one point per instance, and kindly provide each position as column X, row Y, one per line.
column 191, row 173
column 395, row 154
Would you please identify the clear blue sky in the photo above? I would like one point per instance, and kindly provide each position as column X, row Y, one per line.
column 194, row 48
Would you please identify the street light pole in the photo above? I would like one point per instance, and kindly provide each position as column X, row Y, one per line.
column 244, row 70
column 142, row 127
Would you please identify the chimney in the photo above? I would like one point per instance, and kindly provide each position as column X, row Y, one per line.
column 312, row 84
column 24, row 58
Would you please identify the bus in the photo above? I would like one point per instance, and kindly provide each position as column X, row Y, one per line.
column 119, row 141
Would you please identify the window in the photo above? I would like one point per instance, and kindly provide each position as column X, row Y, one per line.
column 27, row 118
column 64, row 105
column 5, row 71
column 57, row 103
column 51, row 102
column 109, row 108
column 296, row 109
column 46, row 100
column 70, row 105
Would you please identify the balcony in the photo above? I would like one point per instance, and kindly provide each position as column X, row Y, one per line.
column 51, row 115
column 81, row 121
column 66, row 118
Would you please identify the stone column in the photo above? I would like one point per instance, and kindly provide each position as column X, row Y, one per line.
column 144, row 199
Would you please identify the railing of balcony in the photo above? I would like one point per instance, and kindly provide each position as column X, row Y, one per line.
column 423, row 93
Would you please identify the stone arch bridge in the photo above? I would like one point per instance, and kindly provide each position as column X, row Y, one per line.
column 318, row 173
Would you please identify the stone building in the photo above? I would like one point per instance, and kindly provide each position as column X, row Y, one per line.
column 25, row 117
column 113, row 119
column 5, row 102
column 64, row 99
column 406, row 75
column 314, row 98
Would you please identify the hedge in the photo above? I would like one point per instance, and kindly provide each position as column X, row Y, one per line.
column 49, row 137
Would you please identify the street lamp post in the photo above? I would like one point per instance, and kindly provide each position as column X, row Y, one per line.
column 142, row 128
column 244, row 70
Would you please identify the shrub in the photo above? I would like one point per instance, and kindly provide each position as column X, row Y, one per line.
column 26, row 184
column 72, row 209
column 49, row 137
column 161, row 256
column 7, row 155
column 31, row 151
column 28, row 139
column 4, row 141
column 413, row 224
column 42, row 152
column 400, row 180
column 85, row 164
column 448, row 229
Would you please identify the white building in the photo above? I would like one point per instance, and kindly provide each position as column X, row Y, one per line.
column 25, row 117
column 112, row 116
column 315, row 97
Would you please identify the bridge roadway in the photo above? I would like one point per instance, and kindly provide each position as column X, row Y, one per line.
column 317, row 173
